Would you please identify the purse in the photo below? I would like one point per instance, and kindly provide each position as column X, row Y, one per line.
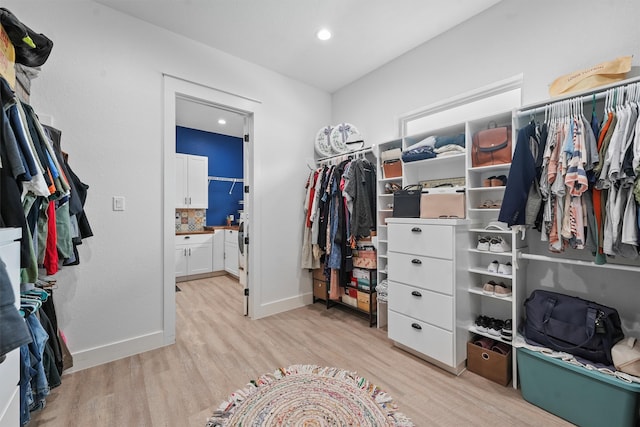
column 491, row 146
column 406, row 202
column 442, row 203
column 570, row 324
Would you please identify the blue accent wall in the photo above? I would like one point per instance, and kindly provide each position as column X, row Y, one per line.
column 225, row 160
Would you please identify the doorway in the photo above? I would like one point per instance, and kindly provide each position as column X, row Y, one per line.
column 181, row 95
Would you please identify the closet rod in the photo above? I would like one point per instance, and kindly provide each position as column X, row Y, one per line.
column 578, row 262
column 222, row 178
column 584, row 95
column 348, row 153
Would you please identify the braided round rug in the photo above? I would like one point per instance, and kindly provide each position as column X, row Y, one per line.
column 309, row 396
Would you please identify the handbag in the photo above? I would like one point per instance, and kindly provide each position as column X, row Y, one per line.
column 442, row 203
column 570, row 324
column 406, row 202
column 491, row 146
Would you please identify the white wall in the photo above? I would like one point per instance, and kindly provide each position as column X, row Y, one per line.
column 541, row 39
column 103, row 86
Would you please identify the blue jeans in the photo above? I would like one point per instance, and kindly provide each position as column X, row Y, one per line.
column 39, row 384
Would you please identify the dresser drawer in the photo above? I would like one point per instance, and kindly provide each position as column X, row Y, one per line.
column 427, row 240
column 423, row 272
column 423, row 305
column 422, row 337
column 9, row 377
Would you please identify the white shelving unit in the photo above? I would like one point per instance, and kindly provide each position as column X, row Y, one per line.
column 384, row 205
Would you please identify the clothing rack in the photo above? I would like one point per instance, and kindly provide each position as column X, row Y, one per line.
column 584, row 96
column 347, row 155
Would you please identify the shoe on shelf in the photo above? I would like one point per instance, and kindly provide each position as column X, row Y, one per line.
column 498, row 244
column 489, row 287
column 501, row 347
column 498, row 181
column 488, row 182
column 482, row 323
column 507, row 330
column 495, row 327
column 501, row 290
column 493, row 267
column 505, row 269
column 484, row 243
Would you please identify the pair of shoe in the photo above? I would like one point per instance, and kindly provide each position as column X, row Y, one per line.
column 489, row 344
column 490, row 204
column 495, row 327
column 498, row 289
column 498, row 268
column 495, row 181
column 489, row 325
column 493, row 244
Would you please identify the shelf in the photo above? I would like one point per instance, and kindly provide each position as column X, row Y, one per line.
column 489, row 252
column 383, row 241
column 439, row 160
column 488, row 335
column 545, row 258
column 382, row 255
column 484, row 271
column 481, row 189
column 478, row 291
column 385, row 210
column 482, row 169
column 484, row 210
column 395, row 178
column 484, row 230
column 385, row 194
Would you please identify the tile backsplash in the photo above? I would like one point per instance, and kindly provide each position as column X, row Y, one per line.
column 190, row 219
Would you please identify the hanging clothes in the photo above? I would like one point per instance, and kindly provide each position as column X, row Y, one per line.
column 587, row 179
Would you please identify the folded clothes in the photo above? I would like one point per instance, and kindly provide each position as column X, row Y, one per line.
column 420, row 153
column 441, row 141
column 450, row 148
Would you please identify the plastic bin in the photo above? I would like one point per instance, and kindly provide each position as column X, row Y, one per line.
column 581, row 396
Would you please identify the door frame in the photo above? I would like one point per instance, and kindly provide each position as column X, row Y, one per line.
column 174, row 88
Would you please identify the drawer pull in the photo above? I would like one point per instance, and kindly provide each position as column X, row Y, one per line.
column 187, row 237
column 416, row 294
column 416, row 326
column 416, row 261
column 416, row 230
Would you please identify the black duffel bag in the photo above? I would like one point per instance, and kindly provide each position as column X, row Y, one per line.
column 406, row 202
column 583, row 328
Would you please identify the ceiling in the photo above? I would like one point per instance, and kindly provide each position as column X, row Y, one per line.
column 280, row 34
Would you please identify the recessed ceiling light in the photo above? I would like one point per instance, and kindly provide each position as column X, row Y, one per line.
column 323, row 34
column 222, row 122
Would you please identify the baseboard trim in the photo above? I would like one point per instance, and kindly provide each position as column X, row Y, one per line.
column 286, row 304
column 89, row 358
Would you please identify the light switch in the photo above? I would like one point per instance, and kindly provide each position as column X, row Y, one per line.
column 118, row 203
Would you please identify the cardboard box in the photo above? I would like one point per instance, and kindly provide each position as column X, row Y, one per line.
column 352, row 292
column 318, row 274
column 579, row 395
column 392, row 168
column 490, row 364
column 346, row 299
column 365, row 259
column 320, row 289
column 363, row 301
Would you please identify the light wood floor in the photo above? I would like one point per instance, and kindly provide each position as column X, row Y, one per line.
column 218, row 350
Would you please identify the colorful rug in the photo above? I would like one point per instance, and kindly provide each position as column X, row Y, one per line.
column 309, row 396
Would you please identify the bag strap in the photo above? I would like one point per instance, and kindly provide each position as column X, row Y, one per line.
column 591, row 326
